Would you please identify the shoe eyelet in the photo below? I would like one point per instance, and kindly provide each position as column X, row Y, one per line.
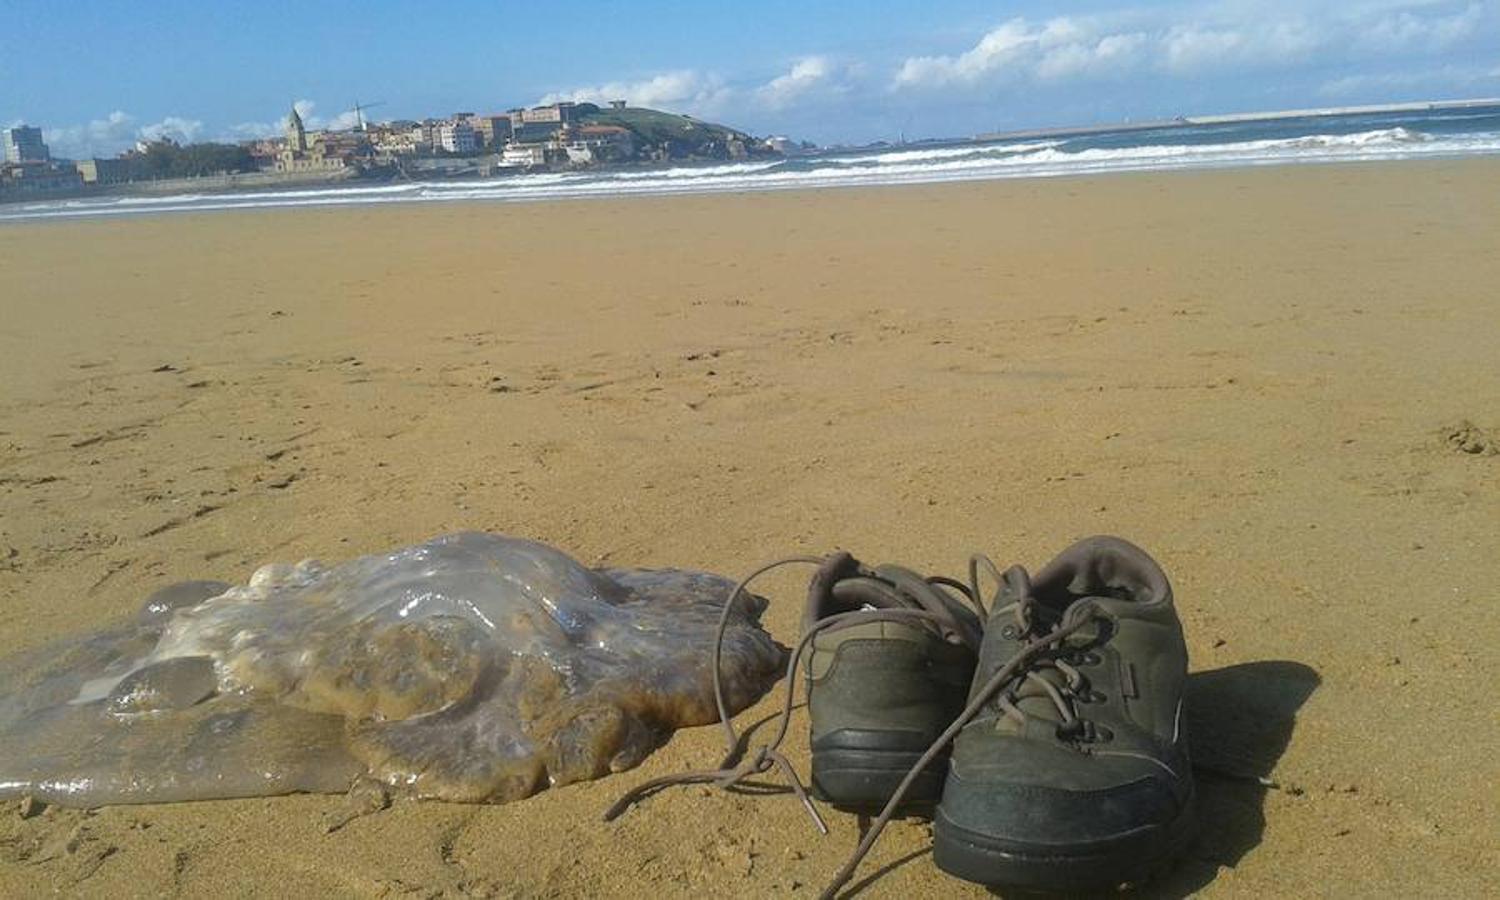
column 1089, row 659
column 1010, row 632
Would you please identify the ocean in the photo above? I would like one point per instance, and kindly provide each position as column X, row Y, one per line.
column 1357, row 137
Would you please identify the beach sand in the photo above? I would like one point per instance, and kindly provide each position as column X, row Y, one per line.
column 1256, row 374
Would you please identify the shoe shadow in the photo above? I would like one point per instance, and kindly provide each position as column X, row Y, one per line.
column 864, row 884
column 1240, row 720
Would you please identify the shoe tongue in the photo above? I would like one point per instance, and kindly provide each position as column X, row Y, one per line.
column 1033, row 700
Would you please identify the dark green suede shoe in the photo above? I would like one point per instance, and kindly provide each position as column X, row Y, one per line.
column 880, row 691
column 1073, row 775
column 887, row 656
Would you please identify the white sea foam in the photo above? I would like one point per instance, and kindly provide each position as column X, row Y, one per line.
column 694, row 171
column 896, row 166
column 902, row 157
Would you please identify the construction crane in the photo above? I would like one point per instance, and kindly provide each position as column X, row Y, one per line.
column 359, row 112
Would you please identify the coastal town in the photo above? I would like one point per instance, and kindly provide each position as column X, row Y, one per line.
column 559, row 136
column 565, row 136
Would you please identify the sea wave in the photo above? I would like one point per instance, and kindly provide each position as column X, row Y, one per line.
column 1397, row 135
column 960, row 162
column 903, row 157
column 694, row 171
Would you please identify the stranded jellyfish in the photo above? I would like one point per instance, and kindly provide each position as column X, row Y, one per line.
column 472, row 667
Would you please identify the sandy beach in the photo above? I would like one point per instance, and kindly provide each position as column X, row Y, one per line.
column 1282, row 382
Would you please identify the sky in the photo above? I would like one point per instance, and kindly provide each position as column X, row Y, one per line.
column 97, row 76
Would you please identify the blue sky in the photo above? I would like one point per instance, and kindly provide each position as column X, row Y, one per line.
column 98, row 75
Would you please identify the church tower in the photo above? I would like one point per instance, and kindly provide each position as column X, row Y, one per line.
column 296, row 135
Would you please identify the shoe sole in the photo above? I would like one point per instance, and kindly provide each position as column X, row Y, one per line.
column 859, row 771
column 1127, row 859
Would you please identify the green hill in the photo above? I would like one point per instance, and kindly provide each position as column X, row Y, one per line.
column 677, row 135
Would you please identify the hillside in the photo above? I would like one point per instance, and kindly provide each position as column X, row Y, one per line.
column 678, row 135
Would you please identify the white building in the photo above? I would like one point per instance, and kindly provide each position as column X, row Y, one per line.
column 524, row 156
column 395, row 141
column 458, row 137
column 594, row 143
column 782, row 145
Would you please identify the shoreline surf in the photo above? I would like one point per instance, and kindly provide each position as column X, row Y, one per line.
column 1371, row 137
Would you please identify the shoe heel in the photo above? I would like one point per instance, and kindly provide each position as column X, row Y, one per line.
column 1015, row 864
column 858, row 771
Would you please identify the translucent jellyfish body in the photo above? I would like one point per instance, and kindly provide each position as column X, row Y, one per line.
column 472, row 667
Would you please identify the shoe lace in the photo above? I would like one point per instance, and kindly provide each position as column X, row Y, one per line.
column 1039, row 649
column 1034, row 651
column 735, row 768
column 1052, row 672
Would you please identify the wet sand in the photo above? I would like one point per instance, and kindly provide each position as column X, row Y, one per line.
column 1282, row 382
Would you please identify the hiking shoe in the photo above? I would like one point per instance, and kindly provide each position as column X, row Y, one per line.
column 1074, row 774
column 888, row 656
column 881, row 690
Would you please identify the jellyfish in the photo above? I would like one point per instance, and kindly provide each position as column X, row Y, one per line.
column 472, row 667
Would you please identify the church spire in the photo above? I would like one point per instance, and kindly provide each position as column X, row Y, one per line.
column 296, row 135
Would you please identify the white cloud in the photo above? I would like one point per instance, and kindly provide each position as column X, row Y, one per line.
column 1405, row 30
column 99, row 137
column 118, row 132
column 682, row 90
column 1439, row 78
column 344, row 121
column 1190, row 49
column 307, row 109
column 1226, row 36
column 176, row 128
column 709, row 94
column 808, row 75
column 1005, row 48
column 1060, row 48
column 1111, row 54
column 249, row 131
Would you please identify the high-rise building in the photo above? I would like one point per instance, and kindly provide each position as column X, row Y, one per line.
column 458, row 137
column 23, row 144
column 493, row 130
